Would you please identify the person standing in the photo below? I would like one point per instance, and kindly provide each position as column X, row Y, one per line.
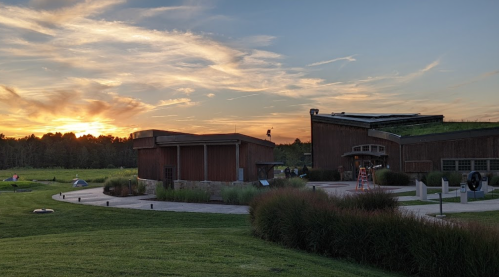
column 287, row 172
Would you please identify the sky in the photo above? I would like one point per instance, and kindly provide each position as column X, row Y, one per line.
column 115, row 67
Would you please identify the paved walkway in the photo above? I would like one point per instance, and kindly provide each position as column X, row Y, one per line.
column 95, row 197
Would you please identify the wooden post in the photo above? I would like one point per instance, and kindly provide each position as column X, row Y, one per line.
column 205, row 162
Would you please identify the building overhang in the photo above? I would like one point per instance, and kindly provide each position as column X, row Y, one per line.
column 363, row 153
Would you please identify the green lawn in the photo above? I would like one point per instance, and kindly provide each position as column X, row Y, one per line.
column 413, row 193
column 416, row 202
column 66, row 175
column 490, row 218
column 488, row 196
column 80, row 240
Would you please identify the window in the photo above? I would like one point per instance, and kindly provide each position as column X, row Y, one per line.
column 382, row 149
column 449, row 165
column 374, row 148
column 494, row 164
column 356, row 149
column 480, row 165
column 464, row 165
column 365, row 148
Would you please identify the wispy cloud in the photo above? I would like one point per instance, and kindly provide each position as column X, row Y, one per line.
column 244, row 96
column 347, row 58
column 476, row 79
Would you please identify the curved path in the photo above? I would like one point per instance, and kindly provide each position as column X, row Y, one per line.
column 95, row 197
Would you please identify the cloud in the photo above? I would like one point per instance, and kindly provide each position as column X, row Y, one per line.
column 210, row 95
column 244, row 96
column 187, row 91
column 347, row 58
column 170, row 102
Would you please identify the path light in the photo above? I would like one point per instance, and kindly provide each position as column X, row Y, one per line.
column 107, row 203
column 151, row 207
column 440, row 197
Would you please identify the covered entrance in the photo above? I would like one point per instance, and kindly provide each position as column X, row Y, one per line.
column 367, row 156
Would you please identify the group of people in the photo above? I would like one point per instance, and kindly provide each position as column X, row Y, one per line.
column 294, row 173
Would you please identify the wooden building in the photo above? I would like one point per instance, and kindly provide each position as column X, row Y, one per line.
column 173, row 157
column 350, row 140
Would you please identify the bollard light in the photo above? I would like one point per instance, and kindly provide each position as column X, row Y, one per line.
column 107, row 203
column 64, row 196
column 60, row 193
column 151, row 207
column 79, row 199
column 313, row 188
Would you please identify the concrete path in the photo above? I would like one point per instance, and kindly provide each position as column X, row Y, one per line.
column 95, row 197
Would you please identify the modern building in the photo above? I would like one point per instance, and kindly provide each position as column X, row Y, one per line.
column 210, row 161
column 350, row 140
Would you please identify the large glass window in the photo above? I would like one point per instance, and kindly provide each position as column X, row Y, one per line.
column 382, row 149
column 480, row 165
column 494, row 164
column 374, row 148
column 365, row 148
column 449, row 165
column 464, row 165
column 356, row 148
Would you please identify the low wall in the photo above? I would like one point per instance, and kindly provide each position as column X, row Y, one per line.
column 213, row 187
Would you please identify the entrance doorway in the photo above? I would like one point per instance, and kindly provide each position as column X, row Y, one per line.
column 169, row 177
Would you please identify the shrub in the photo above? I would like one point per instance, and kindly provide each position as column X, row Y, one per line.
column 118, row 186
column 239, row 195
column 370, row 200
column 383, row 238
column 494, row 181
column 386, row 177
column 454, row 178
column 434, row 179
column 295, row 182
column 230, row 195
column 182, row 195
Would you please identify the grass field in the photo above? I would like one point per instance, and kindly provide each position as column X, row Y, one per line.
column 413, row 193
column 78, row 240
column 66, row 175
column 487, row 218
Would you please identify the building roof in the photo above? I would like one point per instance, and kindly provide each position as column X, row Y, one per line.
column 375, row 120
column 167, row 138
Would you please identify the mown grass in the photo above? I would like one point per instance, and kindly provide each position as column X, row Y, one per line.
column 78, row 240
column 490, row 218
column 416, row 203
column 67, row 175
column 488, row 196
column 413, row 192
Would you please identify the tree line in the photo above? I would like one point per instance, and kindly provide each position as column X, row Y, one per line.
column 293, row 154
column 67, row 151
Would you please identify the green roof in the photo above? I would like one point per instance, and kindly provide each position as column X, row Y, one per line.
column 437, row 128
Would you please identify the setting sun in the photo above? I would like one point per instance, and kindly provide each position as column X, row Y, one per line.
column 80, row 127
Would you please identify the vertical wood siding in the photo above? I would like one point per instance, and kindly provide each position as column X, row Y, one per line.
column 192, row 163
column 481, row 147
column 148, row 163
column 222, row 163
column 143, row 143
column 331, row 141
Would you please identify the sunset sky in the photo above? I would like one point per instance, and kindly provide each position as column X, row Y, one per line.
column 116, row 66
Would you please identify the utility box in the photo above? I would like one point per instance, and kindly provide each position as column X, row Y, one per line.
column 464, row 195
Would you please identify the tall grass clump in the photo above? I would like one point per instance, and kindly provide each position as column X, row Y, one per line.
column 118, row 186
column 240, row 195
column 182, row 195
column 454, row 178
column 434, row 179
column 376, row 233
column 494, row 181
column 371, row 200
column 386, row 177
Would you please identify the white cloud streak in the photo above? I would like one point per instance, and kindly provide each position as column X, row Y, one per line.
column 347, row 58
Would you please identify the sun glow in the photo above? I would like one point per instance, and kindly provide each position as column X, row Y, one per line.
column 80, row 127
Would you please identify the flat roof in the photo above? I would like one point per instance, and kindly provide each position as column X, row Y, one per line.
column 167, row 138
column 375, row 120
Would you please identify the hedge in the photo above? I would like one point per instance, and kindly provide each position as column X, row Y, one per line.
column 383, row 237
column 386, row 177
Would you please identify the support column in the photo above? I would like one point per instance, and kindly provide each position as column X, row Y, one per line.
column 205, row 162
column 237, row 161
column 178, row 162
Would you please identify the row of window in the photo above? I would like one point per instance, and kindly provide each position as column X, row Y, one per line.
column 468, row 165
column 369, row 148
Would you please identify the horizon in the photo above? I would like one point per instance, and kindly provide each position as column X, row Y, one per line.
column 114, row 67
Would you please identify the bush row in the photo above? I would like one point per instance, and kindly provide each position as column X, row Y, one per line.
column 119, row 186
column 182, row 195
column 494, row 181
column 386, row 177
column 434, row 178
column 381, row 236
